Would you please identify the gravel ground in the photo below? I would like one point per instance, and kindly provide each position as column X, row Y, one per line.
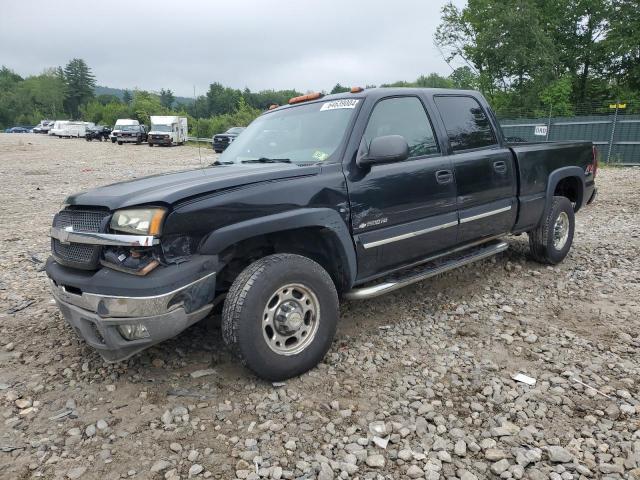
column 417, row 385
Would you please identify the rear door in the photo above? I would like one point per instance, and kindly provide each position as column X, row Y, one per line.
column 402, row 211
column 484, row 171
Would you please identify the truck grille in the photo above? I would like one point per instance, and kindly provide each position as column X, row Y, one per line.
column 78, row 255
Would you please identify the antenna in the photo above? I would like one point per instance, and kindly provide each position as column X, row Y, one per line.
column 195, row 108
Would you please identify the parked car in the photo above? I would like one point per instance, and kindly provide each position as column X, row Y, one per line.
column 43, row 127
column 97, row 132
column 347, row 196
column 167, row 130
column 222, row 140
column 18, row 130
column 121, row 122
column 132, row 134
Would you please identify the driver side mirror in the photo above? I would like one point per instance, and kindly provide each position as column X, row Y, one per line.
column 386, row 149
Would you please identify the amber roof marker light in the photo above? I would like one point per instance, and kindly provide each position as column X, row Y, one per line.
column 274, row 106
column 357, row 89
column 305, row 98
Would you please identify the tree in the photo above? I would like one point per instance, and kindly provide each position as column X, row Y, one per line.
column 167, row 98
column 80, row 83
column 465, row 78
column 433, row 80
column 623, row 43
column 339, row 89
column 127, row 97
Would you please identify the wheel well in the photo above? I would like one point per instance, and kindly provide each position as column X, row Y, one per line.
column 317, row 243
column 570, row 187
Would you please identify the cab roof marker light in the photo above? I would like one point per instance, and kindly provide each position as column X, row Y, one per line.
column 305, row 98
column 357, row 89
column 274, row 106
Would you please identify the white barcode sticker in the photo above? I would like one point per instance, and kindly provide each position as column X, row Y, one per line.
column 336, row 104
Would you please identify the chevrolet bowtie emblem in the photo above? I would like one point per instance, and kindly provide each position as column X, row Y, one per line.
column 64, row 234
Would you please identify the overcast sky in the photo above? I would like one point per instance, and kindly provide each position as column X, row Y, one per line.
column 258, row 44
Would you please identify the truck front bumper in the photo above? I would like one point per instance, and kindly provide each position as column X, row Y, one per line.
column 129, row 139
column 154, row 307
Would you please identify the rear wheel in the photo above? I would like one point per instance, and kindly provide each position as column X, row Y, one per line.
column 119, row 143
column 280, row 316
column 551, row 241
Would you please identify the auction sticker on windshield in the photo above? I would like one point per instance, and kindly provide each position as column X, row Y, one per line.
column 336, row 104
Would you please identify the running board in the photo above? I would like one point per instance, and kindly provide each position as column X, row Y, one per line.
column 415, row 275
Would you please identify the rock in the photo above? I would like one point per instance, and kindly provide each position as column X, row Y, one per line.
column 415, row 472
column 326, row 473
column 495, row 454
column 195, row 469
column 76, row 473
column 558, row 454
column 175, row 447
column 460, row 448
column 160, row 466
column 22, row 403
column 102, row 425
column 501, row 466
column 375, row 461
column 203, row 373
column 90, row 431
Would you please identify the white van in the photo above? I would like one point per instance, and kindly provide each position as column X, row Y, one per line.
column 69, row 129
column 167, row 130
column 121, row 122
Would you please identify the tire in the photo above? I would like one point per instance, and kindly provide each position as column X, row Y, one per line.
column 218, row 151
column 246, row 328
column 119, row 143
column 151, row 144
column 113, row 140
column 551, row 241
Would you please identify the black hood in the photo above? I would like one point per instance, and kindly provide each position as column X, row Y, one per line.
column 171, row 188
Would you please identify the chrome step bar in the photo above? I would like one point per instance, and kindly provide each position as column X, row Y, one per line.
column 473, row 255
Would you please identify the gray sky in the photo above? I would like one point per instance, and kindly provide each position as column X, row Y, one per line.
column 239, row 43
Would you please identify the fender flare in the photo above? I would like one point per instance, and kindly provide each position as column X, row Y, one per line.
column 560, row 174
column 327, row 218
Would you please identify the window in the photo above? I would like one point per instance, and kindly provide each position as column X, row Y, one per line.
column 403, row 116
column 466, row 123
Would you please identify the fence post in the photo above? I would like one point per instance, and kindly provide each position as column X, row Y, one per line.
column 613, row 130
column 549, row 123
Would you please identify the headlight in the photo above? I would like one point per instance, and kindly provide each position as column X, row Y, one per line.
column 145, row 221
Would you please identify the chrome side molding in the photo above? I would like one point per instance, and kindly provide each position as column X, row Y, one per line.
column 372, row 291
column 397, row 238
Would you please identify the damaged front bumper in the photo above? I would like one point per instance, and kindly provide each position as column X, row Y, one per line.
column 105, row 306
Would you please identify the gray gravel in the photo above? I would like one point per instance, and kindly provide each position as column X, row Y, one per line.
column 417, row 385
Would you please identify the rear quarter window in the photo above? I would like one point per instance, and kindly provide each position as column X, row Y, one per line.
column 466, row 122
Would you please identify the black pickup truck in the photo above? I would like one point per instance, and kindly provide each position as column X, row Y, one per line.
column 351, row 195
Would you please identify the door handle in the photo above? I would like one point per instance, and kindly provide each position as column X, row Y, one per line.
column 444, row 176
column 500, row 166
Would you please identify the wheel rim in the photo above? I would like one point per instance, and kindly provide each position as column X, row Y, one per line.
column 290, row 319
column 561, row 231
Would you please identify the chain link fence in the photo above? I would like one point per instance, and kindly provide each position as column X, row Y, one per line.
column 613, row 126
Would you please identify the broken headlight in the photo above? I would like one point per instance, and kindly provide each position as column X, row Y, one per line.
column 138, row 221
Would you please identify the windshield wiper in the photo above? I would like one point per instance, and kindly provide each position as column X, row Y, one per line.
column 218, row 162
column 268, row 160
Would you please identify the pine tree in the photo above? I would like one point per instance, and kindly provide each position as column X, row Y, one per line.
column 80, row 83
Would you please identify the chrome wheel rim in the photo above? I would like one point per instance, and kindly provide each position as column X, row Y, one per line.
column 290, row 319
column 561, row 231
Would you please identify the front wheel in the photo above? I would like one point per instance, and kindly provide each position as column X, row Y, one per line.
column 280, row 316
column 551, row 241
column 119, row 143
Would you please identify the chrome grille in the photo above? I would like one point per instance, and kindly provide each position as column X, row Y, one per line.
column 78, row 255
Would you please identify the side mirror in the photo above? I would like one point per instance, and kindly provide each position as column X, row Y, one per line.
column 387, row 149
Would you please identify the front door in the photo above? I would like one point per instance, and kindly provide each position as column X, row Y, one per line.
column 402, row 211
column 485, row 172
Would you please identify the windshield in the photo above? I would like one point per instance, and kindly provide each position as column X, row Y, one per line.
column 130, row 128
column 161, row 128
column 308, row 133
column 235, row 130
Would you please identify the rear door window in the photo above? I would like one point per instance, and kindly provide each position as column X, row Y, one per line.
column 467, row 124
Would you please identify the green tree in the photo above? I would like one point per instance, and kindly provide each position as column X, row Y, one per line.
column 80, row 83
column 127, row 97
column 167, row 98
column 339, row 89
column 464, row 78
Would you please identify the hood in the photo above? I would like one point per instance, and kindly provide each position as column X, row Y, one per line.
column 171, row 188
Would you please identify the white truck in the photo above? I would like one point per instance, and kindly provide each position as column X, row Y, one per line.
column 121, row 122
column 167, row 130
